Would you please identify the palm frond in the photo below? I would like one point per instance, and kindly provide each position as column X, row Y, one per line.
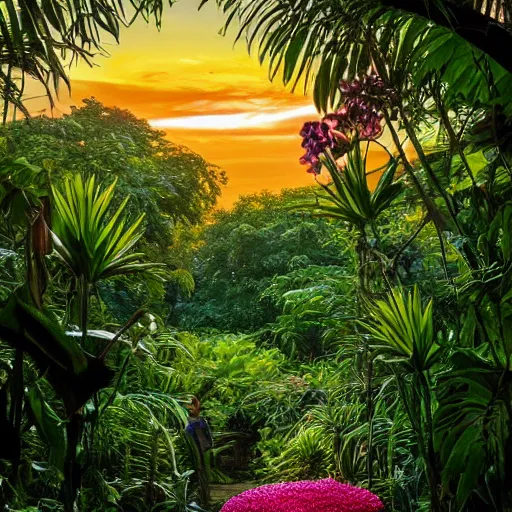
column 317, row 44
column 40, row 37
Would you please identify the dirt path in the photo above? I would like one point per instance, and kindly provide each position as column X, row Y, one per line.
column 219, row 493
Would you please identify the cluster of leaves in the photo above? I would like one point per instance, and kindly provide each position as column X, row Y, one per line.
column 241, row 250
column 66, row 391
column 446, row 78
column 172, row 186
column 250, row 395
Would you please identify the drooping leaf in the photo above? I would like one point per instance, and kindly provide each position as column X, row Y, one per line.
column 74, row 375
column 50, row 427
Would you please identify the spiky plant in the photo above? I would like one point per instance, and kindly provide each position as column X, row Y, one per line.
column 94, row 241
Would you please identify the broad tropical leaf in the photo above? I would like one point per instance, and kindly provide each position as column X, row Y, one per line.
column 21, row 187
column 50, row 427
column 472, row 427
column 74, row 375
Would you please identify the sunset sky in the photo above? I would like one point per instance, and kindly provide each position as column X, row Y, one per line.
column 206, row 94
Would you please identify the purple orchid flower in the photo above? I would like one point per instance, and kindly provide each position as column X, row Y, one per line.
column 361, row 115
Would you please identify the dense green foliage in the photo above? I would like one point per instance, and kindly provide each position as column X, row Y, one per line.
column 242, row 250
column 357, row 332
column 173, row 186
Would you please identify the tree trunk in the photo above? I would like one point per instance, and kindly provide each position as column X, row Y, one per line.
column 72, row 471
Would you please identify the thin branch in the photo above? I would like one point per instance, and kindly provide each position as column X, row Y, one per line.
column 134, row 319
column 400, row 251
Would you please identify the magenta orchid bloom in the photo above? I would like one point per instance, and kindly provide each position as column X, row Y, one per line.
column 359, row 117
column 306, row 496
column 317, row 137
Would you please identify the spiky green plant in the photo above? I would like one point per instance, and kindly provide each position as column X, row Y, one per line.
column 93, row 241
column 403, row 336
column 403, row 330
column 349, row 197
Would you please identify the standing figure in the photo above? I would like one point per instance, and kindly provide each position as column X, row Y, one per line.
column 198, row 429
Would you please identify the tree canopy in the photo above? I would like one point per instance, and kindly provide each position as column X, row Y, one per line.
column 168, row 182
column 241, row 250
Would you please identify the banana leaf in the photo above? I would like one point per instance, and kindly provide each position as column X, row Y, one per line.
column 74, row 374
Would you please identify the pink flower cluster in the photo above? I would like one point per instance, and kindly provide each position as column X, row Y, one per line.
column 307, row 496
column 360, row 115
column 317, row 136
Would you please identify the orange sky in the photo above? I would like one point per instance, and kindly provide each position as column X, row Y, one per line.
column 186, row 73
